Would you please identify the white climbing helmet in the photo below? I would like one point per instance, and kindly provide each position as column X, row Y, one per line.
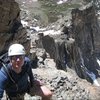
column 16, row 49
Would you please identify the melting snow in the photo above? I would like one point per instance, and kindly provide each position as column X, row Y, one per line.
column 51, row 32
column 61, row 1
column 93, row 77
column 24, row 23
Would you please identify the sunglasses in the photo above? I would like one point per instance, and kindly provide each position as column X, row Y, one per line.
column 17, row 57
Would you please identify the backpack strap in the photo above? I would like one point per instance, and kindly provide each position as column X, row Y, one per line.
column 7, row 70
column 30, row 74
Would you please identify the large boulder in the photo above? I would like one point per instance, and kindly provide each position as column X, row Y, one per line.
column 9, row 15
column 11, row 29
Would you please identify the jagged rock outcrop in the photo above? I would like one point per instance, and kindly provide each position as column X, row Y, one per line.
column 56, row 48
column 80, row 55
column 10, row 25
column 10, row 12
column 86, row 31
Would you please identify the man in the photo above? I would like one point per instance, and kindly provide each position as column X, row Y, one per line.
column 17, row 78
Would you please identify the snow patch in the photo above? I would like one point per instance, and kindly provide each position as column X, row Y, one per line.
column 61, row 1
column 24, row 23
column 52, row 32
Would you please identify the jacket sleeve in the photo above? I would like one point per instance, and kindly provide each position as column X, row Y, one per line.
column 3, row 79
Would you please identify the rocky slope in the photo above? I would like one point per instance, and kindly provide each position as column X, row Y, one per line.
column 70, row 45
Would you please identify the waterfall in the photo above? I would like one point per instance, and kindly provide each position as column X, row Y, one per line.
column 90, row 74
column 62, row 1
column 98, row 61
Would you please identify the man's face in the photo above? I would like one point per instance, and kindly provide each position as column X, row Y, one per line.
column 17, row 62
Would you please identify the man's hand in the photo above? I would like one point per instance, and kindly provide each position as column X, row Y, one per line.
column 38, row 82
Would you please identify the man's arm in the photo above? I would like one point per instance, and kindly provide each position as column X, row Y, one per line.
column 3, row 78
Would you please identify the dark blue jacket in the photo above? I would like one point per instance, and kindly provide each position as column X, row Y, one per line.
column 21, row 79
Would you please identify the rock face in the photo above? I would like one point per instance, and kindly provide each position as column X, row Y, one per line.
column 86, row 31
column 9, row 11
column 81, row 54
column 10, row 25
column 56, row 48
